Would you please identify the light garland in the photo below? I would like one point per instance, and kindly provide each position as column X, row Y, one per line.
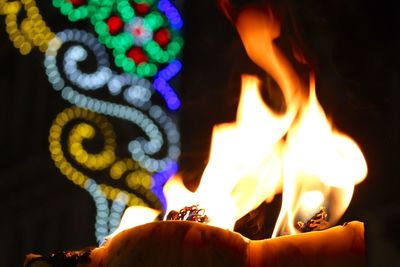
column 32, row 32
column 140, row 148
column 142, row 38
column 66, row 168
column 161, row 84
column 145, row 39
column 84, row 131
column 102, row 210
column 117, row 209
column 85, row 81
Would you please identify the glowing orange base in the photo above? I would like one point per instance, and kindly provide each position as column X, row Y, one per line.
column 176, row 243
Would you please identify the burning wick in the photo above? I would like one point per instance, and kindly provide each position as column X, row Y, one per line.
column 317, row 222
column 188, row 213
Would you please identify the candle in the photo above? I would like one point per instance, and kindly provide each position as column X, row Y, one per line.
column 183, row 243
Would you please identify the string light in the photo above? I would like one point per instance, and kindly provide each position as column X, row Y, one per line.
column 31, row 32
column 171, row 13
column 84, row 131
column 138, row 91
column 117, row 209
column 140, row 148
column 161, row 84
column 142, row 39
column 85, row 81
column 78, row 10
column 76, row 176
column 162, row 177
column 102, row 210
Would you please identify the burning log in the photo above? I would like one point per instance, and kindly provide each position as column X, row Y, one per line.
column 184, row 243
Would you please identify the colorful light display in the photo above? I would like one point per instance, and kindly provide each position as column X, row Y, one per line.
column 142, row 35
column 144, row 39
column 141, row 149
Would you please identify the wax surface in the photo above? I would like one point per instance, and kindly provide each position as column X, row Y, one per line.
column 174, row 243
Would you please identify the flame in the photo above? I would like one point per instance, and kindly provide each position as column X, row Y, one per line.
column 297, row 153
column 135, row 216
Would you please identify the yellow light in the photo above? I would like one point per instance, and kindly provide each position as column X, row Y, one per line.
column 98, row 161
column 84, row 131
column 31, row 32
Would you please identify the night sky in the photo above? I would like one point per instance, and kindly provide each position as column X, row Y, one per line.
column 354, row 49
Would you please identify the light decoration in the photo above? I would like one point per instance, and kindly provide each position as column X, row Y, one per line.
column 31, row 32
column 162, row 86
column 145, row 39
column 117, row 209
column 140, row 148
column 73, row 174
column 102, row 209
column 142, row 35
column 84, row 131
column 81, row 9
column 91, row 81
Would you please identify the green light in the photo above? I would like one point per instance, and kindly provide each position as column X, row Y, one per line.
column 57, row 3
column 150, row 2
column 146, row 70
column 128, row 65
column 101, row 28
column 66, row 8
column 119, row 60
column 126, row 10
column 154, row 20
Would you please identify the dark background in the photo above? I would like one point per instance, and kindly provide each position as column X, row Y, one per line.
column 354, row 47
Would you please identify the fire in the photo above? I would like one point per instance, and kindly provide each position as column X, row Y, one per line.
column 297, row 153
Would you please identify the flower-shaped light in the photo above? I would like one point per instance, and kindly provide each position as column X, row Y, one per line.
column 143, row 34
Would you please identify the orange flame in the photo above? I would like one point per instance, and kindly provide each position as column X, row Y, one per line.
column 263, row 153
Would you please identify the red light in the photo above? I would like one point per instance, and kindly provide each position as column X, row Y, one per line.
column 76, row 3
column 162, row 37
column 115, row 24
column 141, row 9
column 137, row 54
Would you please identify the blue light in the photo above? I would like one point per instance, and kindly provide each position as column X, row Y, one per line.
column 117, row 209
column 168, row 93
column 161, row 178
column 172, row 13
column 102, row 210
column 161, row 85
column 170, row 71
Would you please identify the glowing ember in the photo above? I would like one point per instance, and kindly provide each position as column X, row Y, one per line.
column 297, row 153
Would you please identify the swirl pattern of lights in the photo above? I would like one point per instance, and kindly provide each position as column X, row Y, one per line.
column 141, row 149
column 101, row 160
column 145, row 39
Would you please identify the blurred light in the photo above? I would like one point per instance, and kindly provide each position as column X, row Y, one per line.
column 102, row 210
column 117, row 209
column 138, row 24
column 91, row 81
column 84, row 131
column 141, row 33
column 32, row 30
column 66, row 168
column 140, row 148
column 138, row 90
column 171, row 13
column 161, row 84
